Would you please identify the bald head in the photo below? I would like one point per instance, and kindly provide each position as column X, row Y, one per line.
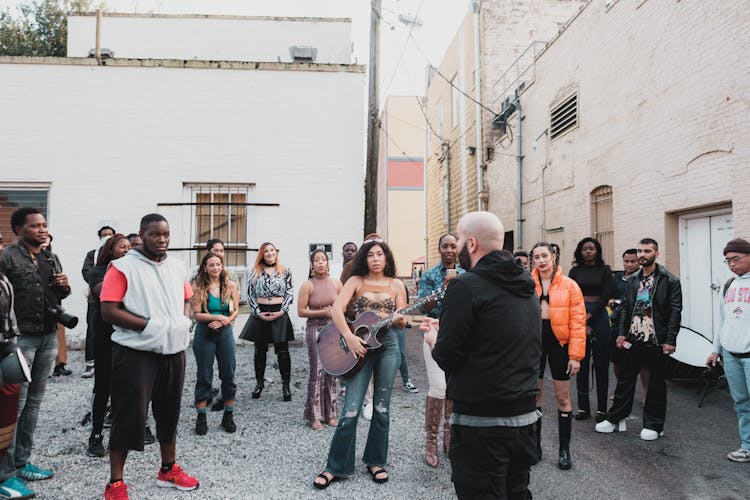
column 485, row 227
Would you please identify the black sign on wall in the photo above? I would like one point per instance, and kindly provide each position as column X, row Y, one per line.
column 327, row 247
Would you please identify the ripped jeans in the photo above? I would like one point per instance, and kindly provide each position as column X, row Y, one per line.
column 382, row 366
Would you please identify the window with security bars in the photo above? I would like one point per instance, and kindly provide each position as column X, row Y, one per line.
column 564, row 117
column 220, row 211
column 13, row 198
column 602, row 221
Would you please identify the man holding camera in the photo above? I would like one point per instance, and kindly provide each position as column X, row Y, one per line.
column 39, row 285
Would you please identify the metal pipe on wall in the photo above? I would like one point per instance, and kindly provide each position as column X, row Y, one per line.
column 476, row 6
column 519, row 161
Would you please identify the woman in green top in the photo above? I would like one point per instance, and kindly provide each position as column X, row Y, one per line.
column 215, row 305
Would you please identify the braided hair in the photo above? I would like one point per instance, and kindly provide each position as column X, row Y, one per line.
column 554, row 249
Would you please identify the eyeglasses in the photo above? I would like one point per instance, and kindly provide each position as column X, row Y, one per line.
column 735, row 259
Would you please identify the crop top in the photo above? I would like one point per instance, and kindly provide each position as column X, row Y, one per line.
column 214, row 306
column 268, row 286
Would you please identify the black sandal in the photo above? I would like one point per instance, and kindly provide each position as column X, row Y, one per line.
column 328, row 481
column 377, row 474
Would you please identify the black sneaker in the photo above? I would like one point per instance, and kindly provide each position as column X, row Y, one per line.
column 148, row 438
column 201, row 427
column 108, row 420
column 61, row 370
column 96, row 446
column 227, row 422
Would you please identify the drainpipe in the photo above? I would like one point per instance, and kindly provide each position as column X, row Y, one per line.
column 98, row 49
column 478, row 107
column 447, row 150
column 519, row 160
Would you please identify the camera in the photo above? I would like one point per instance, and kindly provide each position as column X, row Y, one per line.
column 59, row 315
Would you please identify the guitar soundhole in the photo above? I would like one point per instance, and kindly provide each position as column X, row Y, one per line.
column 362, row 332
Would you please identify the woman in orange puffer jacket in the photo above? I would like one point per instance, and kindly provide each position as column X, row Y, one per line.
column 563, row 338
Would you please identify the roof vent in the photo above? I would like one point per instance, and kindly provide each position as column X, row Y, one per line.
column 106, row 53
column 564, row 116
column 303, row 53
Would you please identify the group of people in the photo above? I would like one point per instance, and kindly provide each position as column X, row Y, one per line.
column 493, row 321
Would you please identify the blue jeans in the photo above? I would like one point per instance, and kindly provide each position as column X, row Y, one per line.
column 737, row 371
column 403, row 366
column 382, row 368
column 208, row 344
column 600, row 347
column 40, row 352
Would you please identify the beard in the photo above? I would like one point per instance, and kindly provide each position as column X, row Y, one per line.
column 646, row 262
column 463, row 258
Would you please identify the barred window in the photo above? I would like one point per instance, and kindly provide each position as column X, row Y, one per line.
column 602, row 221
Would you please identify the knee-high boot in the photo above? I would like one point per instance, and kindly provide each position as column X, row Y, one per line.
column 260, row 371
column 539, row 436
column 447, row 426
column 564, row 428
column 433, row 412
column 285, row 368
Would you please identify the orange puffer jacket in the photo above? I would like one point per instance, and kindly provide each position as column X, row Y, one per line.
column 567, row 312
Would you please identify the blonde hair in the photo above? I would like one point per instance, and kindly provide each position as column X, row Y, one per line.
column 202, row 283
column 258, row 266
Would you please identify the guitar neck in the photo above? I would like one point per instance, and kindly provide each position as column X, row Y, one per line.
column 411, row 307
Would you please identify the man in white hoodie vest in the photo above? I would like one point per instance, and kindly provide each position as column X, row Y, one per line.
column 145, row 296
column 733, row 341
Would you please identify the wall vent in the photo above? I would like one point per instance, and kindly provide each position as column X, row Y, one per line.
column 303, row 53
column 564, row 116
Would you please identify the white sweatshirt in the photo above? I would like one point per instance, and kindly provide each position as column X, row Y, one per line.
column 156, row 291
column 734, row 335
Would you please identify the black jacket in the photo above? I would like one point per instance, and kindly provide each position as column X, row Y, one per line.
column 666, row 304
column 31, row 301
column 489, row 343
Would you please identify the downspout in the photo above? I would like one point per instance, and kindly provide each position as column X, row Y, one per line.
column 519, row 161
column 475, row 5
column 447, row 150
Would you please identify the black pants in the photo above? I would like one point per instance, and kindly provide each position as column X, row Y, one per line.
column 102, row 376
column 492, row 462
column 600, row 348
column 90, row 333
column 655, row 409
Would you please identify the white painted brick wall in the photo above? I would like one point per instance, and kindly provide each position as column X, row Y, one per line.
column 115, row 141
column 211, row 38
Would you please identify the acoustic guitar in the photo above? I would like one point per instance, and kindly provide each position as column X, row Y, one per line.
column 334, row 354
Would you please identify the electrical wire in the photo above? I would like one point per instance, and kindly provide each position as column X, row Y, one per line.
column 385, row 131
column 401, row 55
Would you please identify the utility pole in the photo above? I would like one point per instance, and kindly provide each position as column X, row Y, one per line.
column 373, row 132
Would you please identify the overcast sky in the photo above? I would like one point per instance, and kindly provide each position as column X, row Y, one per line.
column 440, row 20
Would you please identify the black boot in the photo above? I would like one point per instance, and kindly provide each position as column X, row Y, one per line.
column 227, row 422
column 260, row 371
column 539, row 437
column 285, row 367
column 563, row 429
column 201, row 426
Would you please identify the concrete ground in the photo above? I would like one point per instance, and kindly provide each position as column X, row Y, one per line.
column 275, row 455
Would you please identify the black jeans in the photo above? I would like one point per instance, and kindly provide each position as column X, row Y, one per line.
column 655, row 409
column 492, row 462
column 600, row 349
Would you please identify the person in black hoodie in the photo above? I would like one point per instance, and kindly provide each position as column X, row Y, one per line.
column 488, row 342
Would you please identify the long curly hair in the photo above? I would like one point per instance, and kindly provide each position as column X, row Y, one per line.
column 202, row 283
column 359, row 262
column 578, row 254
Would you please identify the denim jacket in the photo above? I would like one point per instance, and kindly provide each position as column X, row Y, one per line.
column 30, row 297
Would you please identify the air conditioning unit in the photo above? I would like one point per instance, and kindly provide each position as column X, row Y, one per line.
column 303, row 53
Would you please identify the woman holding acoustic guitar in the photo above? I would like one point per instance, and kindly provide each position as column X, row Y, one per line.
column 373, row 287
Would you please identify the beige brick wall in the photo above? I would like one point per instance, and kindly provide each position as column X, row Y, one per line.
column 663, row 119
column 507, row 27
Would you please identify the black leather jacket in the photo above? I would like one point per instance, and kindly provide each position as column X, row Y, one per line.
column 666, row 305
column 30, row 297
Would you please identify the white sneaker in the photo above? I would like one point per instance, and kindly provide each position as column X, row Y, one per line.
column 650, row 434
column 741, row 455
column 89, row 371
column 367, row 411
column 606, row 426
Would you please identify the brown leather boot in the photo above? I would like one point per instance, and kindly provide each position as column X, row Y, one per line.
column 432, row 413
column 447, row 426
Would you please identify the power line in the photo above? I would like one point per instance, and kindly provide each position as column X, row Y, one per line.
column 403, row 153
column 401, row 55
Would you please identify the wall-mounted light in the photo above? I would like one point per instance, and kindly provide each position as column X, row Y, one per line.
column 472, row 150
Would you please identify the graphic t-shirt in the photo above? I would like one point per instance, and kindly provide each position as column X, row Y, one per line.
column 642, row 322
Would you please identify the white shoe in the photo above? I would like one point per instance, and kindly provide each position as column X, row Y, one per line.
column 650, row 434
column 367, row 411
column 606, row 426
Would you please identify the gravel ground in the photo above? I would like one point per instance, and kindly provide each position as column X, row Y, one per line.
column 273, row 454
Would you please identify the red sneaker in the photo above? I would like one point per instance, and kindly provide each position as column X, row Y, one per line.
column 116, row 491
column 177, row 478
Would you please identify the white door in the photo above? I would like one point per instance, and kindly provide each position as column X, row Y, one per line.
column 702, row 270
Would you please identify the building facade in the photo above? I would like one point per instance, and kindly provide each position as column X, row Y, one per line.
column 217, row 147
column 492, row 36
column 635, row 124
column 401, row 207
